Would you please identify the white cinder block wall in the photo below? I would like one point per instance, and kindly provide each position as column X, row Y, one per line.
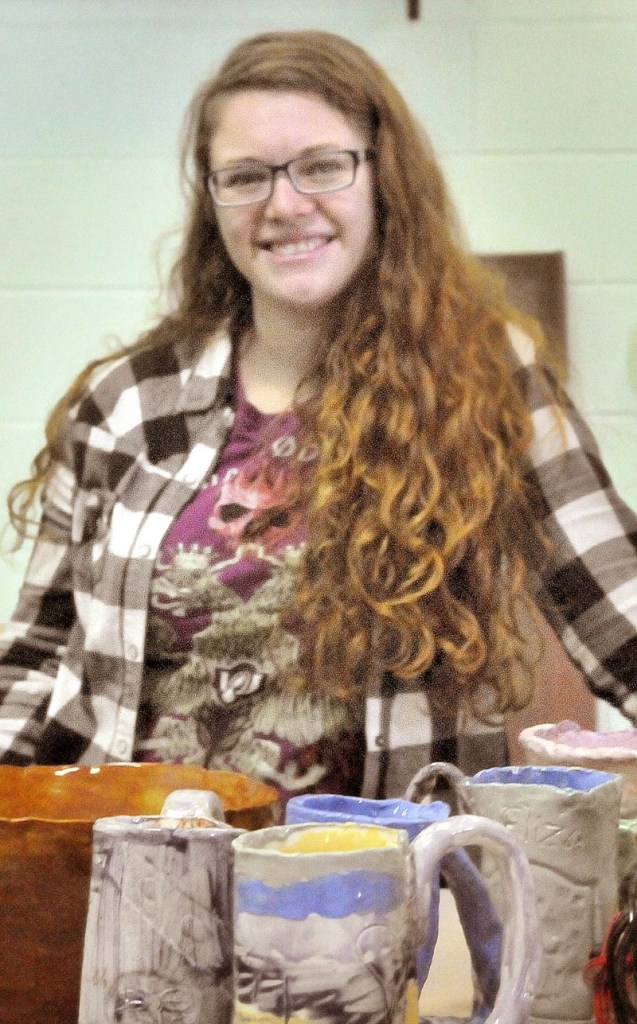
column 530, row 103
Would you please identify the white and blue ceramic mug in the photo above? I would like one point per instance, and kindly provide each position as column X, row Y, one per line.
column 327, row 920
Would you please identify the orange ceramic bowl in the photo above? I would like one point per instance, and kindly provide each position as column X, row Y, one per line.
column 46, row 821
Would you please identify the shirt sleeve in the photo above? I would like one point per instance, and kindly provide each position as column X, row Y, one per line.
column 36, row 637
column 587, row 585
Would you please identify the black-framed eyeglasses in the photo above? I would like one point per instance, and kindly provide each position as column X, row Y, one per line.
column 252, row 181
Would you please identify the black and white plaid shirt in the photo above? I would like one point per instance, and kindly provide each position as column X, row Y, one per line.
column 141, row 442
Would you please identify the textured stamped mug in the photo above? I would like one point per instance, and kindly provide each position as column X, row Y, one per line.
column 566, row 819
column 327, row 919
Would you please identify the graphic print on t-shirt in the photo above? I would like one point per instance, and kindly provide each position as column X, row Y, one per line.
column 218, row 642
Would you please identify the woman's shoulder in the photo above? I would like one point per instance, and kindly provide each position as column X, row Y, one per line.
column 145, row 378
column 108, row 379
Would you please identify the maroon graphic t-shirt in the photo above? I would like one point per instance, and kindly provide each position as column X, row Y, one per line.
column 221, row 630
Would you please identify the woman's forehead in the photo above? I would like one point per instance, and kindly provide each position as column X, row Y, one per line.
column 279, row 123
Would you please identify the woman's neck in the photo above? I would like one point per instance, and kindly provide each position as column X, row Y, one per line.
column 276, row 355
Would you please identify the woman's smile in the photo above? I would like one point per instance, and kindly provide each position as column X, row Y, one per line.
column 299, row 247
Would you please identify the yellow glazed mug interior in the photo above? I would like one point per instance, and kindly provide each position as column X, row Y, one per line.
column 339, row 839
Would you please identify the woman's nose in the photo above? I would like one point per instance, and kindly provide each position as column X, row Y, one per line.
column 285, row 198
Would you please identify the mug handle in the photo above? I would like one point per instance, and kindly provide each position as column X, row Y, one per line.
column 424, row 780
column 480, row 923
column 521, row 945
column 194, row 803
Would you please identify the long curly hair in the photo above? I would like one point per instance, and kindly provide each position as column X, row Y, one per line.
column 414, row 560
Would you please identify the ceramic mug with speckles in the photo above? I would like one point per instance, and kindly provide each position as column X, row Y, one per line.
column 158, row 941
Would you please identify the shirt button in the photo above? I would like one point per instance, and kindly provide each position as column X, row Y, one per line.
column 142, row 551
column 132, row 652
column 380, row 741
column 121, row 748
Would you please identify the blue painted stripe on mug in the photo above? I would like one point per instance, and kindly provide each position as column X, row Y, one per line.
column 333, row 896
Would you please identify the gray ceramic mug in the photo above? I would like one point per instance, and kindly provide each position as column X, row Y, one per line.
column 481, row 925
column 158, row 943
column 566, row 820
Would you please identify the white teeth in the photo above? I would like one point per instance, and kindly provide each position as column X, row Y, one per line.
column 296, row 248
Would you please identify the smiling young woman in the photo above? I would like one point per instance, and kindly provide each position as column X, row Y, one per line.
column 291, row 530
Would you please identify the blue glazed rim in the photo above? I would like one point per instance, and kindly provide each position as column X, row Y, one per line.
column 581, row 780
column 398, row 813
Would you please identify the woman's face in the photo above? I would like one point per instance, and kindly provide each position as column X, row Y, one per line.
column 296, row 251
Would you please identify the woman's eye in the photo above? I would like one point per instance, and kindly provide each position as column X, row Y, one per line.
column 323, row 166
column 245, row 178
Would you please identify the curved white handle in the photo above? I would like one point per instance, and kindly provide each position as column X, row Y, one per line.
column 521, row 947
column 425, row 778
